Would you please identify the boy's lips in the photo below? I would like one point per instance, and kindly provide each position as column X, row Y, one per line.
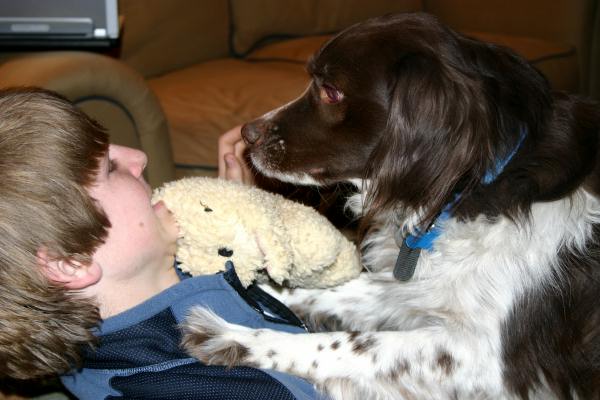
column 159, row 205
column 166, row 216
column 160, row 208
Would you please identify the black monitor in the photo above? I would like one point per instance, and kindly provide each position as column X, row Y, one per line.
column 58, row 23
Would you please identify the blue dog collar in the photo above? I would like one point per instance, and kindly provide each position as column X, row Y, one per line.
column 412, row 245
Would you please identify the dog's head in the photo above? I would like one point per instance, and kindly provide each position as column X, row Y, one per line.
column 402, row 101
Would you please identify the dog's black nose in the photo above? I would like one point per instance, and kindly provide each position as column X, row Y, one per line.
column 251, row 132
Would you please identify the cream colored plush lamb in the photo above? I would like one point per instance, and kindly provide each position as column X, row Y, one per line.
column 258, row 231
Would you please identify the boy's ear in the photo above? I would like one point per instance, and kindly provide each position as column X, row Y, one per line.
column 71, row 274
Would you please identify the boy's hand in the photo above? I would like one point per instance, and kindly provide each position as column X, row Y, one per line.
column 232, row 165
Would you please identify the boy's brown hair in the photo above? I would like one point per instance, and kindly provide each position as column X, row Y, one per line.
column 49, row 154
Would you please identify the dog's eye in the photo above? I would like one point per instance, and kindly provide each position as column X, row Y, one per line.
column 330, row 95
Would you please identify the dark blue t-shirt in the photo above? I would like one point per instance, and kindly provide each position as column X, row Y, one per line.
column 139, row 357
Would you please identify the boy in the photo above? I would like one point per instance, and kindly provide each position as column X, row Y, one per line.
column 81, row 245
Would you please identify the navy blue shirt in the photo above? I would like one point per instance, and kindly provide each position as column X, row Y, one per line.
column 139, row 357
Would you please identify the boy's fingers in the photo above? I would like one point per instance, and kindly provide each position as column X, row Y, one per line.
column 233, row 169
column 245, row 163
column 232, row 163
column 222, row 167
column 227, row 144
column 224, row 149
column 239, row 148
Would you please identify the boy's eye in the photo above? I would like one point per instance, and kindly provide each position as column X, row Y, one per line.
column 112, row 165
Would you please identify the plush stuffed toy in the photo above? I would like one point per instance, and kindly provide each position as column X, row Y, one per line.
column 259, row 232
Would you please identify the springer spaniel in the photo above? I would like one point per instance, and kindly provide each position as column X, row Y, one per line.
column 480, row 205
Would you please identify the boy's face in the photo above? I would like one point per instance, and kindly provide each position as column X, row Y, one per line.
column 141, row 239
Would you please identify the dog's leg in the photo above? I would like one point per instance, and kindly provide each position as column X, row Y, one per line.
column 422, row 363
column 338, row 308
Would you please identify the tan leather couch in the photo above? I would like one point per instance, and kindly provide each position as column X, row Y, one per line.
column 213, row 64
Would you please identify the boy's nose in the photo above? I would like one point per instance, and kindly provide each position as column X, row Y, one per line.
column 133, row 160
column 138, row 162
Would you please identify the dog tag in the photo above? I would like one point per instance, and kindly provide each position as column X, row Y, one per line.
column 406, row 262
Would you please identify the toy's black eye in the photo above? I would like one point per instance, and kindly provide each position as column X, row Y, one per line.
column 206, row 208
column 225, row 252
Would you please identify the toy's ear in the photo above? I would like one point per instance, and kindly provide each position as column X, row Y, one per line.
column 277, row 252
column 71, row 274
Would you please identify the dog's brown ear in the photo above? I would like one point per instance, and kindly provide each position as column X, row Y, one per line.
column 456, row 107
column 433, row 141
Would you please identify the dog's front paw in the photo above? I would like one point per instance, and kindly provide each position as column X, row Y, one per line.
column 213, row 341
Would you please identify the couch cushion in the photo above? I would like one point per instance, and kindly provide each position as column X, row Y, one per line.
column 555, row 60
column 543, row 19
column 254, row 20
column 568, row 21
column 205, row 100
column 160, row 36
column 294, row 50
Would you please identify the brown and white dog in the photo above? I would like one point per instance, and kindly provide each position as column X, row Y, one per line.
column 505, row 302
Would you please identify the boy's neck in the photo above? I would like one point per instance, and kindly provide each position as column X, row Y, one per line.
column 126, row 294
